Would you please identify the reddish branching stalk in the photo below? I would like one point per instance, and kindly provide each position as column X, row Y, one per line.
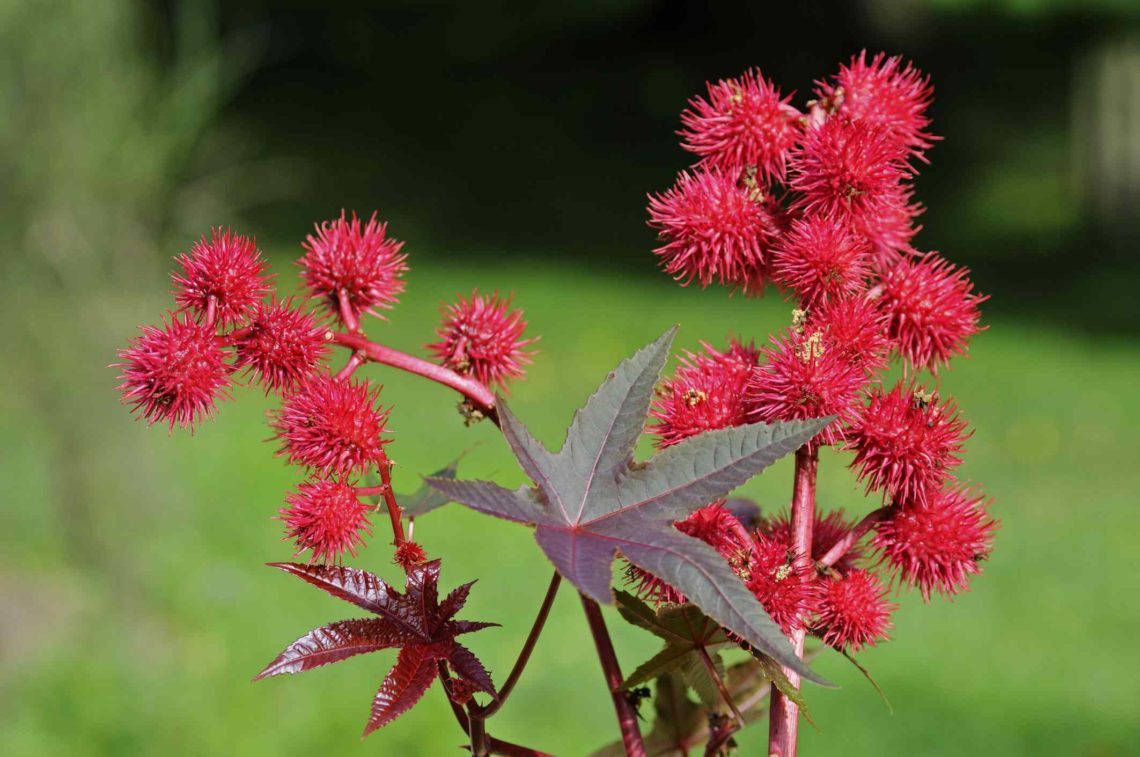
column 852, row 537
column 626, row 714
column 478, row 394
column 394, row 512
column 783, row 714
column 491, row 744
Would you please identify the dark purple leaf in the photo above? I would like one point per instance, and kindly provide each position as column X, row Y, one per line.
column 593, row 503
column 468, row 666
column 454, row 601
column 333, row 643
column 457, row 627
column 415, row 621
column 405, row 684
column 361, row 588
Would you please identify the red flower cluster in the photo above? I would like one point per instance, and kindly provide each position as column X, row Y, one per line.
column 822, row 204
column 231, row 321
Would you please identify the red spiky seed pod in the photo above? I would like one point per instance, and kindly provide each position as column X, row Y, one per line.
column 713, row 229
column 826, row 531
column 855, row 329
column 939, row 544
column 357, row 262
column 175, row 373
column 744, row 124
column 226, row 269
column 783, row 582
column 281, row 346
column 821, row 259
column 848, row 170
column 333, row 426
column 706, row 392
column 906, row 442
column 482, row 337
column 716, row 526
column 409, row 554
column 326, row 517
column 886, row 92
column 932, row 310
column 803, row 378
column 854, row 611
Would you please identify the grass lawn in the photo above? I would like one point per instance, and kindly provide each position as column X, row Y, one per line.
column 137, row 607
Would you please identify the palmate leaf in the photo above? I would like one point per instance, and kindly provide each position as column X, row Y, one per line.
column 686, row 631
column 426, row 498
column 415, row 620
column 591, row 502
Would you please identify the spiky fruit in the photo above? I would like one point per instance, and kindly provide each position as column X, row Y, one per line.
column 803, row 378
column 783, row 582
column 854, row 611
column 906, row 443
column 855, row 329
column 326, row 517
column 886, row 92
column 713, row 229
column 706, row 392
column 483, row 337
column 848, row 170
column 333, row 426
column 744, row 124
column 932, row 310
column 821, row 259
column 175, row 373
column 939, row 544
column 228, row 269
column 281, row 346
column 716, row 526
column 356, row 262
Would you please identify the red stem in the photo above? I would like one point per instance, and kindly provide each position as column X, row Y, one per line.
column 355, row 360
column 527, row 648
column 848, row 540
column 211, row 311
column 496, row 746
column 626, row 715
column 783, row 714
column 479, row 394
column 347, row 313
column 394, row 512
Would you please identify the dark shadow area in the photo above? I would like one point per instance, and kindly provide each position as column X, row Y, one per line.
column 536, row 130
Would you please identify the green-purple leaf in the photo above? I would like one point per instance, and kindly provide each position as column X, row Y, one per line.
column 591, row 503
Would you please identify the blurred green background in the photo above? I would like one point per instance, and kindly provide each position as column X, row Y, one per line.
column 512, row 145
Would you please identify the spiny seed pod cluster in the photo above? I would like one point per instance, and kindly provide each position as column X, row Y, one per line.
column 230, row 327
column 819, row 203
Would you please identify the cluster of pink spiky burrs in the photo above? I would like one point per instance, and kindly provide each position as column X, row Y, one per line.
column 818, row 203
column 230, row 324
